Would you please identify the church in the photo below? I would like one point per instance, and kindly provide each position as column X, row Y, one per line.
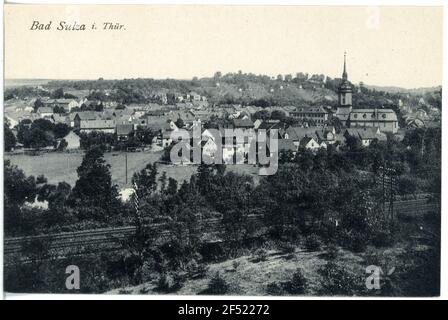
column 384, row 119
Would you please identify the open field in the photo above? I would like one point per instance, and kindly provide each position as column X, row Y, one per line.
column 57, row 167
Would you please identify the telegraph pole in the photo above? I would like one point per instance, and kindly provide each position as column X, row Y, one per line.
column 126, row 165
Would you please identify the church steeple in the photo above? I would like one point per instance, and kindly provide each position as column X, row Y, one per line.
column 344, row 94
column 344, row 73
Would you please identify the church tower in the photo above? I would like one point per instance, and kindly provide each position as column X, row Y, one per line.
column 345, row 92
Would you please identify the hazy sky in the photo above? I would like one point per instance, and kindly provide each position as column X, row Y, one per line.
column 400, row 46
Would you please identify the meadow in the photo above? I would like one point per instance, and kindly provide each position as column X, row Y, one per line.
column 58, row 167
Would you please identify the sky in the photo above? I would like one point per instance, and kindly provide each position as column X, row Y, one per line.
column 386, row 46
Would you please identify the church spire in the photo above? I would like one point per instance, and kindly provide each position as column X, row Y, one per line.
column 344, row 73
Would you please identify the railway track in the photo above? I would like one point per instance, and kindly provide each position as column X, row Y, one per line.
column 112, row 236
column 79, row 239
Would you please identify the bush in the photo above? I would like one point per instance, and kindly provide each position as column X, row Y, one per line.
column 170, row 283
column 165, row 283
column 217, row 285
column 332, row 251
column 355, row 241
column 383, row 238
column 338, row 281
column 196, row 269
column 313, row 243
column 297, row 284
column 274, row 289
column 287, row 248
column 260, row 255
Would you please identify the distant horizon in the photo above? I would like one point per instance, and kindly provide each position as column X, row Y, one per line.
column 189, row 79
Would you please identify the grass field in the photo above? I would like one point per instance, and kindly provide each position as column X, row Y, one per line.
column 57, row 167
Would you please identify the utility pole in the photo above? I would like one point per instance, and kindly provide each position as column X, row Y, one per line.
column 126, row 165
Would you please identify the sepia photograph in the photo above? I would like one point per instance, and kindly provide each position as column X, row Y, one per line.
column 222, row 150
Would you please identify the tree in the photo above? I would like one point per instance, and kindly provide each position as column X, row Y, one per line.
column 60, row 130
column 62, row 145
column 94, row 185
column 146, row 180
column 278, row 115
column 38, row 104
column 58, row 109
column 262, row 114
column 162, row 181
column 180, row 123
column 172, row 186
column 18, row 189
column 10, row 138
column 58, row 94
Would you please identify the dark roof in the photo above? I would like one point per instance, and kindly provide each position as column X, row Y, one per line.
column 243, row 123
column 286, row 145
column 124, row 129
column 88, row 115
column 305, row 141
column 298, row 133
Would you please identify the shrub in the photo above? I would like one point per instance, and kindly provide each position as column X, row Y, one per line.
column 287, row 248
column 383, row 238
column 297, row 284
column 165, row 283
column 260, row 255
column 332, row 251
column 313, row 243
column 274, row 289
column 235, row 264
column 337, row 280
column 170, row 282
column 355, row 241
column 217, row 285
column 196, row 269
column 144, row 290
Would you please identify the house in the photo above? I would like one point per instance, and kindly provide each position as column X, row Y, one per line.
column 310, row 144
column 243, row 124
column 319, row 115
column 366, row 134
column 123, row 131
column 285, row 145
column 193, row 96
column 45, row 112
column 327, row 135
column 60, row 118
column 203, row 115
column 106, row 126
column 269, row 125
column 257, row 123
column 73, row 141
column 67, row 104
column 11, row 121
column 78, row 117
column 296, row 134
column 166, row 138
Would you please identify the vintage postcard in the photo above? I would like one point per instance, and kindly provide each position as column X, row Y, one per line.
column 222, row 150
